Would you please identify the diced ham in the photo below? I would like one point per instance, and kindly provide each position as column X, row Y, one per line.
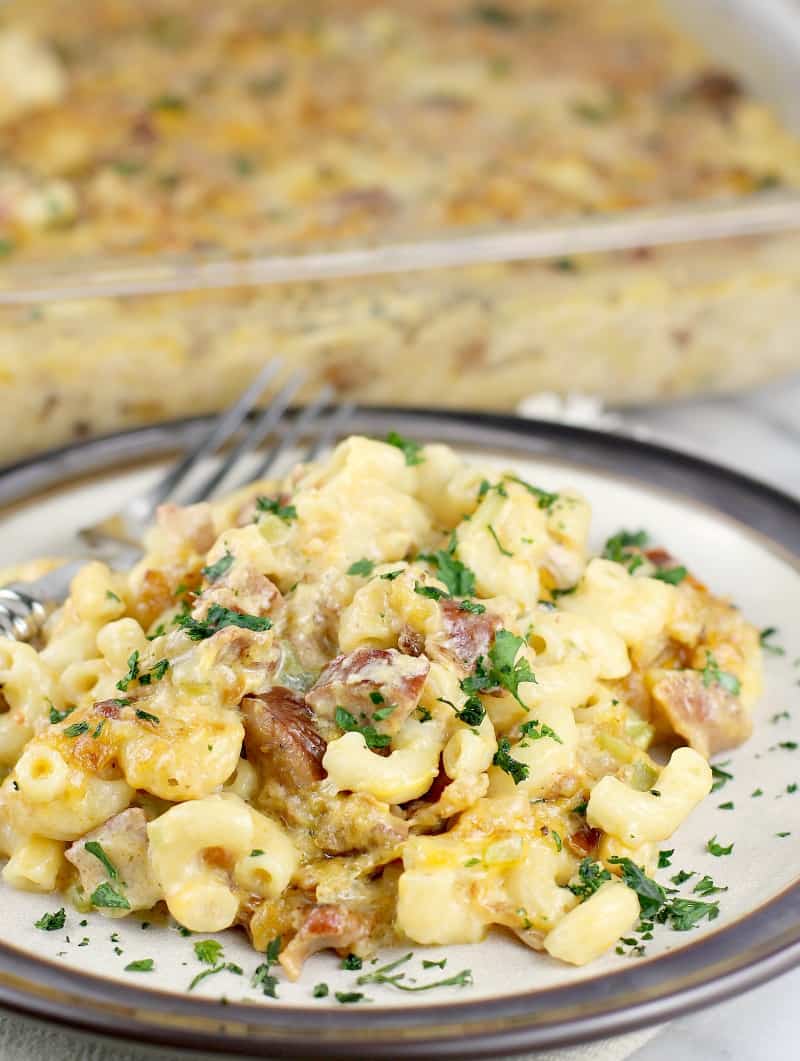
column 369, row 680
column 584, row 841
column 708, row 717
column 281, row 738
column 123, row 839
column 464, row 637
column 324, row 927
column 241, row 589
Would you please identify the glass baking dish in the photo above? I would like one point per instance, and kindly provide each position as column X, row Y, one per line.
column 631, row 305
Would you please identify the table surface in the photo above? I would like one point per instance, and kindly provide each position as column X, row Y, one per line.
column 759, row 435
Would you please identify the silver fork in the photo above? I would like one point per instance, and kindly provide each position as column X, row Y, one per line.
column 24, row 606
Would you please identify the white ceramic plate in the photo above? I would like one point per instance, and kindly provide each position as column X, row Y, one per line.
column 518, row 999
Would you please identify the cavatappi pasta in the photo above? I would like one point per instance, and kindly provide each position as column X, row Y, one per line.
column 389, row 696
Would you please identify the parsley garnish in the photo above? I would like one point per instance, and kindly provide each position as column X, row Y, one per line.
column 361, row 567
column 208, row 951
column 256, row 852
column 262, row 977
column 217, row 618
column 76, row 729
column 712, row 675
column 486, row 486
column 352, row 962
column 59, row 716
column 673, row 575
column 51, row 922
column 665, row 858
column 591, row 875
column 651, row 895
column 706, row 886
column 680, row 914
column 383, row 712
column 788, row 745
column 683, row 914
column 156, row 674
column 426, row 964
column 273, row 506
column 411, row 450
column 682, row 876
column 458, row 578
column 145, row 716
column 111, row 595
column 144, row 965
column 518, row 771
column 504, row 670
column 429, row 591
column 535, row 730
column 346, row 997
column 471, row 714
column 756, row 792
column 544, row 498
column 623, row 548
column 764, row 639
column 96, row 849
column 221, row 567
column 725, row 806
column 493, row 532
column 721, row 777
column 386, row 974
column 716, row 849
column 390, row 576
column 471, row 606
column 105, row 895
column 225, row 967
column 321, row 991
column 133, row 672
column 347, row 722
column 98, row 729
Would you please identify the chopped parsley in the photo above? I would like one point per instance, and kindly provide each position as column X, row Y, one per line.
column 782, row 835
column 721, row 777
column 383, row 712
column 111, row 595
column 390, row 576
column 680, row 914
column 471, row 606
column 133, row 672
column 57, row 716
column 591, row 875
column 273, row 506
column 143, row 965
column 411, row 450
column 256, row 852
column 220, row 567
column 706, row 886
column 780, row 716
column 765, row 640
column 726, row 806
column 352, row 962
column 682, row 876
column 224, row 967
column 217, row 618
column 429, row 591
column 427, row 964
column 486, row 486
column 625, row 547
column 96, row 849
column 787, row 745
column 756, row 792
column 665, row 858
column 348, row 724
column 262, row 977
column 346, row 997
column 493, row 532
column 386, row 974
column 712, row 675
column 361, row 567
column 321, row 991
column 513, row 767
column 535, row 730
column 458, row 578
column 208, row 951
column 471, row 714
column 504, row 670
column 544, row 498
column 673, row 575
column 76, row 729
column 105, row 895
column 98, row 729
column 156, row 674
column 716, row 849
column 145, row 716
column 51, row 922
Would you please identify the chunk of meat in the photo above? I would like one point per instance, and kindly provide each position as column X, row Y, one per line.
column 356, row 821
column 241, row 589
column 464, row 636
column 325, row 927
column 708, row 717
column 371, row 680
column 281, row 737
column 123, row 839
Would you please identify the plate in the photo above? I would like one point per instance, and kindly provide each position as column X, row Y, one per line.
column 738, row 534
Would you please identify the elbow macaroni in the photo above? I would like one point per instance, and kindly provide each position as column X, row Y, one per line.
column 467, row 767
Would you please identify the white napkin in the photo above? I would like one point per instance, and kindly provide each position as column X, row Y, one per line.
column 28, row 1040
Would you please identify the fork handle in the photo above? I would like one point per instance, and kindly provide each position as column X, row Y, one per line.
column 24, row 606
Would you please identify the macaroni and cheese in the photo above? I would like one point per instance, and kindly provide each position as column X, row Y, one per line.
column 390, row 696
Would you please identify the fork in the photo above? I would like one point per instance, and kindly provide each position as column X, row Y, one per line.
column 116, row 539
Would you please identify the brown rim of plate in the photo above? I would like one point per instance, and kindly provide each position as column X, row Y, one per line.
column 740, row 956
